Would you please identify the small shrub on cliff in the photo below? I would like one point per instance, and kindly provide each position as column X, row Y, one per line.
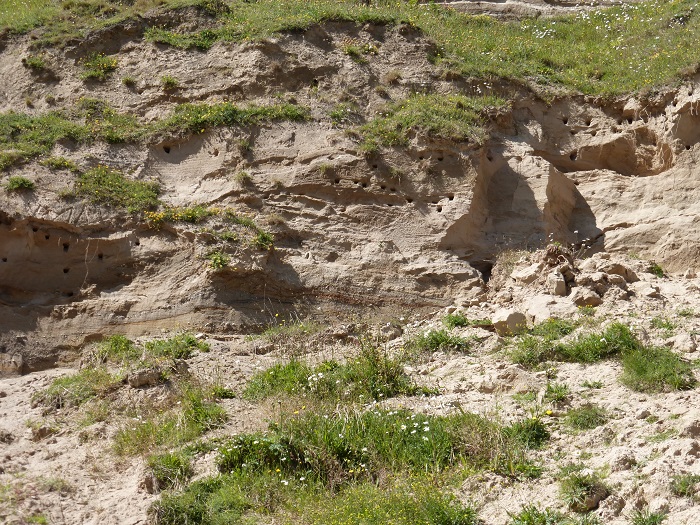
column 97, row 66
column 17, row 183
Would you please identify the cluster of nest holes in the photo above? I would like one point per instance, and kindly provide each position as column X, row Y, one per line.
column 393, row 189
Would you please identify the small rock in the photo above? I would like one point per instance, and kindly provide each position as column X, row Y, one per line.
column 389, row 332
column 486, row 387
column 556, row 285
column 144, row 377
column 642, row 414
column 691, row 429
column 611, row 507
column 623, row 271
column 6, row 436
column 528, row 274
column 683, row 343
column 618, row 281
column 508, row 322
column 39, row 433
column 622, row 460
column 690, row 274
column 658, row 506
column 585, row 297
column 3, row 394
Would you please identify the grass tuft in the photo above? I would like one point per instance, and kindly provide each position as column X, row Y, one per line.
column 372, row 375
column 17, row 183
column 453, row 117
column 586, row 417
column 103, row 185
column 656, row 369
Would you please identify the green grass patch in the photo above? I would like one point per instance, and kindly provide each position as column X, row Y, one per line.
column 404, row 504
column 180, row 346
column 24, row 137
column 577, row 485
column 533, row 515
column 647, row 517
column 372, row 375
column 109, row 187
column 76, row 389
column 171, row 469
column 17, row 184
column 454, row 117
column 435, row 340
column 685, row 485
column 353, row 445
column 531, row 350
column 586, row 417
column 459, row 320
column 656, row 369
column 60, row 163
column 626, row 48
column 195, row 414
column 98, row 66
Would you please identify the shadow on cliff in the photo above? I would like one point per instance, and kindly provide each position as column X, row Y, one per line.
column 518, row 203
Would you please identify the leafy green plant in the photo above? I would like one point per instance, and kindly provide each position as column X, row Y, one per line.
column 180, row 346
column 656, row 269
column 169, row 82
column 97, row 66
column 556, row 392
column 18, row 183
column 103, row 185
column 656, row 369
column 263, row 240
column 34, row 62
column 586, row 417
column 243, row 178
column 218, row 260
column 117, row 348
column 129, row 81
column 592, row 384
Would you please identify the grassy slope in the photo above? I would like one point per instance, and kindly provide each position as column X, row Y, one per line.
column 610, row 51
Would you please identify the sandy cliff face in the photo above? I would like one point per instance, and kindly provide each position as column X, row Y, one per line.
column 412, row 226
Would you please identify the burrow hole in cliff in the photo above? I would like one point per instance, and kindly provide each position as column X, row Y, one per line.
column 100, row 256
column 35, row 229
column 484, row 268
column 66, row 270
column 409, row 200
column 166, row 149
column 439, row 209
column 565, row 120
column 4, row 259
column 66, row 246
